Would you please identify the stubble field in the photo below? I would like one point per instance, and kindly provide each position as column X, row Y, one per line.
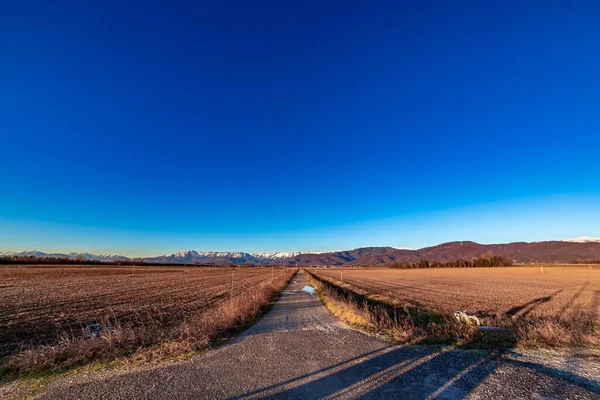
column 559, row 306
column 46, row 309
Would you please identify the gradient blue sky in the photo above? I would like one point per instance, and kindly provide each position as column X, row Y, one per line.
column 150, row 128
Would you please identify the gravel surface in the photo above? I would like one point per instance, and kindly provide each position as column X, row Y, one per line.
column 299, row 351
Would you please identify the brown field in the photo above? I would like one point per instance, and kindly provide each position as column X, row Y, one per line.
column 43, row 308
column 560, row 306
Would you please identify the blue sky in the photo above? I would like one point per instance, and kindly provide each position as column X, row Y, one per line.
column 150, row 128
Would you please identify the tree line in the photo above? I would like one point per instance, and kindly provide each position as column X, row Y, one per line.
column 65, row 261
column 590, row 261
column 34, row 260
column 492, row 261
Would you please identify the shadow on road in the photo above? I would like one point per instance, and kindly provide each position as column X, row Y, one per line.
column 415, row 372
column 393, row 371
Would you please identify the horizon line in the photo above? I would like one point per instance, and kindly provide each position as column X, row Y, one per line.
column 581, row 239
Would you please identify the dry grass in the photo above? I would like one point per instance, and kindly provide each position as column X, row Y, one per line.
column 143, row 330
column 558, row 308
column 401, row 323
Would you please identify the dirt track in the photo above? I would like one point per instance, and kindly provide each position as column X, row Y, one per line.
column 298, row 350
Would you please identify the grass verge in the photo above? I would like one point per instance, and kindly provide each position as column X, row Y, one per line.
column 409, row 323
column 400, row 323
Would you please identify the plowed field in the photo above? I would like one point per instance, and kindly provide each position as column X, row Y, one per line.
column 39, row 304
column 494, row 293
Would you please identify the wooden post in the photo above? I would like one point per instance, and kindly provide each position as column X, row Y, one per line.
column 542, row 268
column 232, row 279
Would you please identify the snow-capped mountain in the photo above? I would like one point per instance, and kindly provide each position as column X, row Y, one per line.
column 276, row 255
column 224, row 257
column 583, row 239
column 30, row 253
column 205, row 257
column 72, row 256
column 185, row 253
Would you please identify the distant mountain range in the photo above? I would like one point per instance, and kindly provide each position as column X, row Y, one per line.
column 223, row 258
column 583, row 248
column 186, row 256
column 72, row 256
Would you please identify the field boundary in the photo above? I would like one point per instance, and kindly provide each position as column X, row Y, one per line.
column 405, row 323
column 414, row 323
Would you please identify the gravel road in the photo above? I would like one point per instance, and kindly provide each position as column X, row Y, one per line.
column 299, row 351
